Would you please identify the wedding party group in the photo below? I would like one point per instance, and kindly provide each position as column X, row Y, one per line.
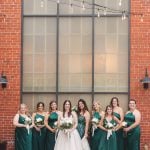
column 76, row 128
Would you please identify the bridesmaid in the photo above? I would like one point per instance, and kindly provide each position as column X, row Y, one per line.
column 51, row 123
column 39, row 130
column 118, row 112
column 83, row 123
column 23, row 123
column 132, row 131
column 109, row 123
column 98, row 135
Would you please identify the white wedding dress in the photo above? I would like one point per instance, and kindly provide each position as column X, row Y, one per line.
column 71, row 141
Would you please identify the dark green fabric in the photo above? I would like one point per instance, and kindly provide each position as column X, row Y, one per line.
column 98, row 139
column 132, row 140
column 38, row 137
column 50, row 136
column 111, row 143
column 119, row 135
column 81, row 125
column 23, row 139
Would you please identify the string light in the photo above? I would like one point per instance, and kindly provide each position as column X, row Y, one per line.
column 98, row 7
column 123, row 15
column 42, row 3
column 120, row 2
column 98, row 13
column 83, row 6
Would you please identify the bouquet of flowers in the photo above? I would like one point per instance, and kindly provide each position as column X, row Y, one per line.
column 109, row 126
column 95, row 123
column 65, row 125
column 28, row 122
column 39, row 121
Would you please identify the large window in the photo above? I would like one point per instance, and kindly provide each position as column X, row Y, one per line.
column 73, row 54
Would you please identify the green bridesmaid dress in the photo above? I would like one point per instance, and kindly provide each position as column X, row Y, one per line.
column 50, row 136
column 81, row 125
column 23, row 138
column 132, row 140
column 38, row 137
column 98, row 139
column 111, row 143
column 119, row 135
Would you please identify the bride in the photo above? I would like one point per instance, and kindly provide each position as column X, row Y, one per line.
column 68, row 137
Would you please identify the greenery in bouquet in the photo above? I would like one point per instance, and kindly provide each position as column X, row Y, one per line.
column 66, row 123
column 109, row 125
column 39, row 121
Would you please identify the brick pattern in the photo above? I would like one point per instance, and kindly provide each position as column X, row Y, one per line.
column 140, row 59
column 10, row 52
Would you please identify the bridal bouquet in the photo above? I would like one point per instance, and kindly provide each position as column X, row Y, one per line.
column 110, row 127
column 39, row 121
column 95, row 123
column 28, row 122
column 65, row 125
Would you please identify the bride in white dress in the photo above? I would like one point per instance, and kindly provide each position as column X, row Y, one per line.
column 68, row 139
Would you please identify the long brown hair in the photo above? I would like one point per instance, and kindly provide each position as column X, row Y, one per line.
column 111, row 102
column 108, row 106
column 69, row 113
column 85, row 106
column 50, row 108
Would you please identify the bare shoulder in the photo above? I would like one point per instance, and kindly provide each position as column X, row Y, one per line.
column 137, row 112
column 87, row 114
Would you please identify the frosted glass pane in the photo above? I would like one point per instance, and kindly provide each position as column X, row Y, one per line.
column 75, row 65
column 74, row 99
column 28, row 66
column 41, row 43
column 104, row 100
column 31, row 100
column 39, row 7
column 28, row 82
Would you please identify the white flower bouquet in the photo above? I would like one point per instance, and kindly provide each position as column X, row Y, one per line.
column 109, row 126
column 95, row 123
column 65, row 125
column 28, row 122
column 39, row 121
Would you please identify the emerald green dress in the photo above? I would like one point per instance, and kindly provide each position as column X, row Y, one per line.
column 98, row 139
column 81, row 125
column 119, row 135
column 23, row 139
column 132, row 140
column 111, row 143
column 50, row 136
column 38, row 137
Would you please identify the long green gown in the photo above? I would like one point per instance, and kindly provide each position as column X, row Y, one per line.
column 98, row 139
column 23, row 139
column 50, row 136
column 132, row 140
column 111, row 143
column 38, row 137
column 119, row 135
column 81, row 125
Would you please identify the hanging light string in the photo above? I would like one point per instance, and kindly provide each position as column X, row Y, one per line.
column 99, row 9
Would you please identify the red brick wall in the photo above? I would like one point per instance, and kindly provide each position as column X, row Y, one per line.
column 10, row 51
column 140, row 59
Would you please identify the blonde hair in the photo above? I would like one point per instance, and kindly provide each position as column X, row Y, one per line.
column 100, row 107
